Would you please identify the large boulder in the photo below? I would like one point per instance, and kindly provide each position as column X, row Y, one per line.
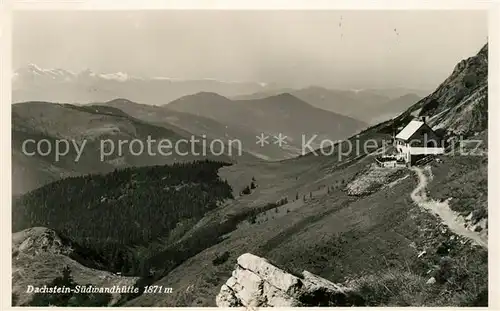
column 255, row 282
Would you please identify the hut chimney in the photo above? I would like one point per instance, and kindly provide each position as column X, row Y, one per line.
column 423, row 119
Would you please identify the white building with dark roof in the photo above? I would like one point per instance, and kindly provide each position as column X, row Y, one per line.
column 417, row 140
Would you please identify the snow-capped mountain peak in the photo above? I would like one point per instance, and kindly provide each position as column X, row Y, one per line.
column 33, row 71
column 34, row 83
column 119, row 76
column 34, row 67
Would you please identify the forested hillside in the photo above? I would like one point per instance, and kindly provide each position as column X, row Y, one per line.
column 116, row 213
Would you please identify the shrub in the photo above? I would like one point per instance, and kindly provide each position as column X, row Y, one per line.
column 221, row 259
column 481, row 300
column 429, row 107
column 253, row 218
column 15, row 298
column 470, row 80
column 479, row 214
column 246, row 190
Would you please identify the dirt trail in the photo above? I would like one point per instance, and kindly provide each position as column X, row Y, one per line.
column 453, row 220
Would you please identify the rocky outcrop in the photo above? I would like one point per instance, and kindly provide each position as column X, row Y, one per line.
column 460, row 104
column 37, row 240
column 256, row 282
column 39, row 255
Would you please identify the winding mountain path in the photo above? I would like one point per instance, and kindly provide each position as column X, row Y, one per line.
column 450, row 218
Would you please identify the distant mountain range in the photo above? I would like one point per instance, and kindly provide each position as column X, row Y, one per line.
column 371, row 106
column 32, row 83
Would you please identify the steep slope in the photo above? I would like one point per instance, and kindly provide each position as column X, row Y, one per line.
column 283, row 113
column 86, row 130
column 32, row 83
column 372, row 241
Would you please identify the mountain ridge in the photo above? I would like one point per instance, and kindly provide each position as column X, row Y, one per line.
column 282, row 114
column 370, row 106
column 43, row 120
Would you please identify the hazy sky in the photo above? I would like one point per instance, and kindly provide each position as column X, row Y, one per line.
column 343, row 49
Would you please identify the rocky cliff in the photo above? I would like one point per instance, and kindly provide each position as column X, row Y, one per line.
column 460, row 104
column 256, row 282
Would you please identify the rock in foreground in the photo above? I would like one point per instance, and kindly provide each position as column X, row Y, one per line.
column 255, row 282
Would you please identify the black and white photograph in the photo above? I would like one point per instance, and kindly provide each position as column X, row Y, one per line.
column 249, row 158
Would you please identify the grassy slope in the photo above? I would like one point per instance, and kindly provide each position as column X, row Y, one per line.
column 376, row 237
